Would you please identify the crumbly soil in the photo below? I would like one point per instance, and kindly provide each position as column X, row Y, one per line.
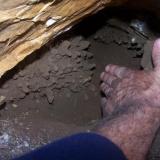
column 55, row 92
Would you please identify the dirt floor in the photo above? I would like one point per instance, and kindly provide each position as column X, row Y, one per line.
column 55, row 92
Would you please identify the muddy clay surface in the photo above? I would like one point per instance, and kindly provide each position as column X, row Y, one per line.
column 55, row 92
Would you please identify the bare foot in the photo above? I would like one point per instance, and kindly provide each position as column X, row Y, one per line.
column 123, row 87
column 138, row 94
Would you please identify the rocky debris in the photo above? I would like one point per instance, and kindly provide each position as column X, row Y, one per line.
column 65, row 65
column 121, row 33
column 146, row 61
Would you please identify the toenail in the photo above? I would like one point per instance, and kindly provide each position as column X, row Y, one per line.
column 107, row 68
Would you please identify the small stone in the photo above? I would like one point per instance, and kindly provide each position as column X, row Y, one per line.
column 92, row 66
column 14, row 105
column 62, row 52
column 55, row 68
column 65, row 44
column 78, row 60
column 46, row 75
column 21, row 95
column 76, row 40
column 15, row 77
column 69, row 53
column 87, row 80
column 25, row 89
column 59, row 86
column 133, row 41
column 21, row 74
column 50, row 96
column 84, row 45
column 58, row 56
column 53, row 51
column 84, row 54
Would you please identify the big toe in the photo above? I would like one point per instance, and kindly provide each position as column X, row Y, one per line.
column 156, row 54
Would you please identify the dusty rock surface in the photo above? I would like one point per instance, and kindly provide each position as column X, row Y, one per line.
column 64, row 66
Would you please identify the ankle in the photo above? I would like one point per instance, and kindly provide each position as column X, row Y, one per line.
column 136, row 126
